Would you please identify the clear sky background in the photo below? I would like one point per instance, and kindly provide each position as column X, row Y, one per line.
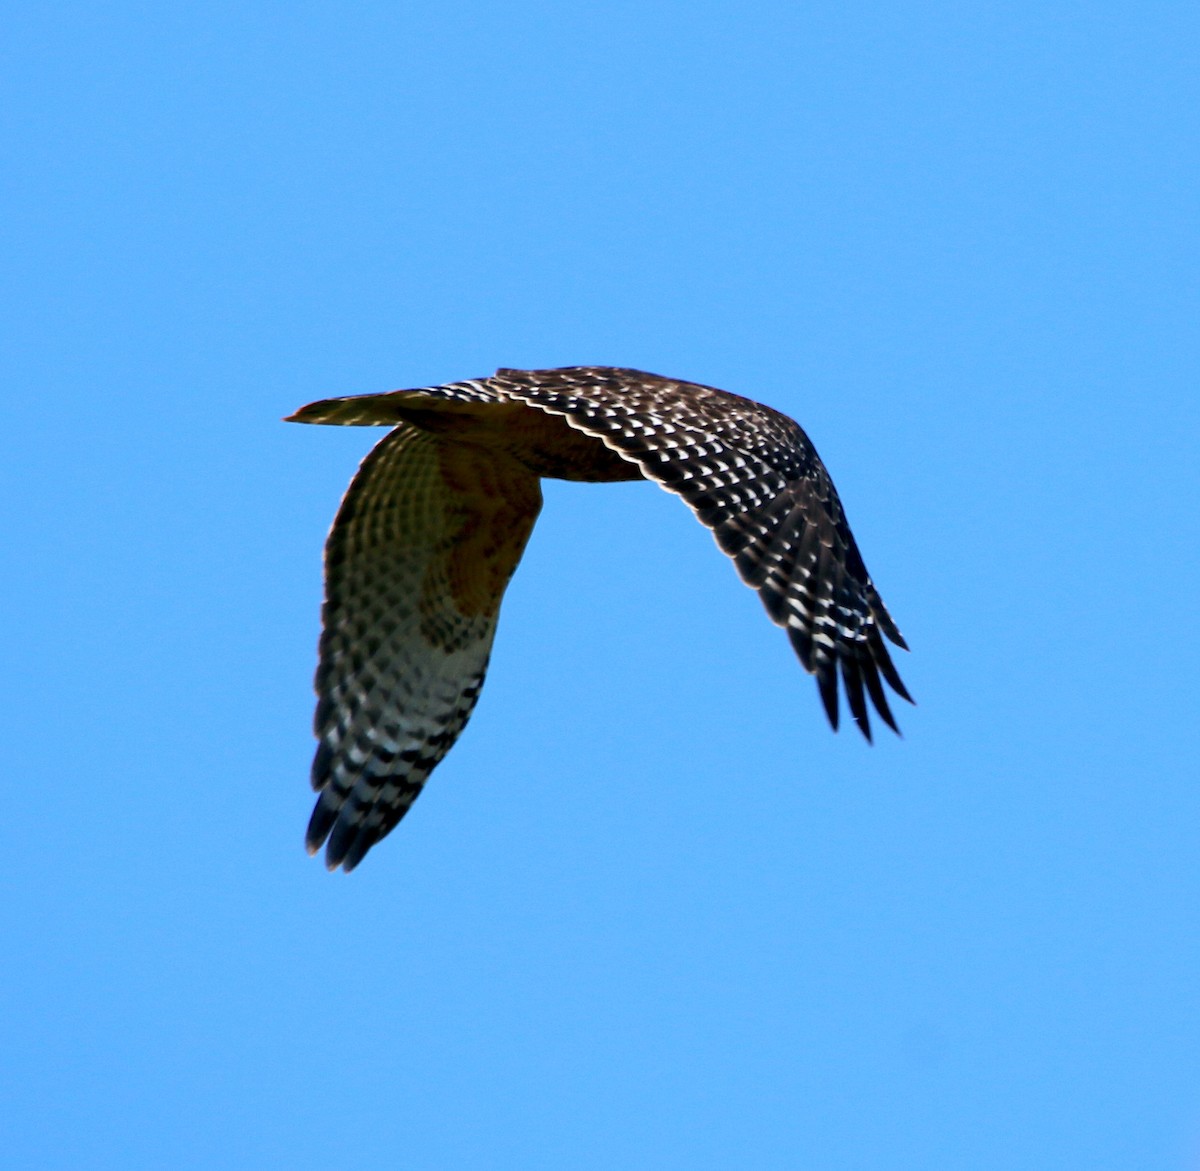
column 650, row 913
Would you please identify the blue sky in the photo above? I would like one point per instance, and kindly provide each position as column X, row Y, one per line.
column 650, row 913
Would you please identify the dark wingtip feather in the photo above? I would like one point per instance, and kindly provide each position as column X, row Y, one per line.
column 828, row 687
column 883, row 619
column 319, row 825
column 341, row 839
column 322, row 767
column 883, row 661
column 364, row 840
column 870, row 674
column 855, row 700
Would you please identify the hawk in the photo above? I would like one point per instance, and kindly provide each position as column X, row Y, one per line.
column 434, row 523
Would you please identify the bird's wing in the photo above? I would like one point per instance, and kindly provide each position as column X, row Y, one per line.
column 754, row 478
column 416, row 564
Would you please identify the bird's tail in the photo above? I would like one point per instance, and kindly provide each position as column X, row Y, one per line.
column 360, row 410
column 435, row 408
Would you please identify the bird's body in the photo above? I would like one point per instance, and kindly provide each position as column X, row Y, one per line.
column 434, row 523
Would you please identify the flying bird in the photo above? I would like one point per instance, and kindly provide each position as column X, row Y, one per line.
column 434, row 523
